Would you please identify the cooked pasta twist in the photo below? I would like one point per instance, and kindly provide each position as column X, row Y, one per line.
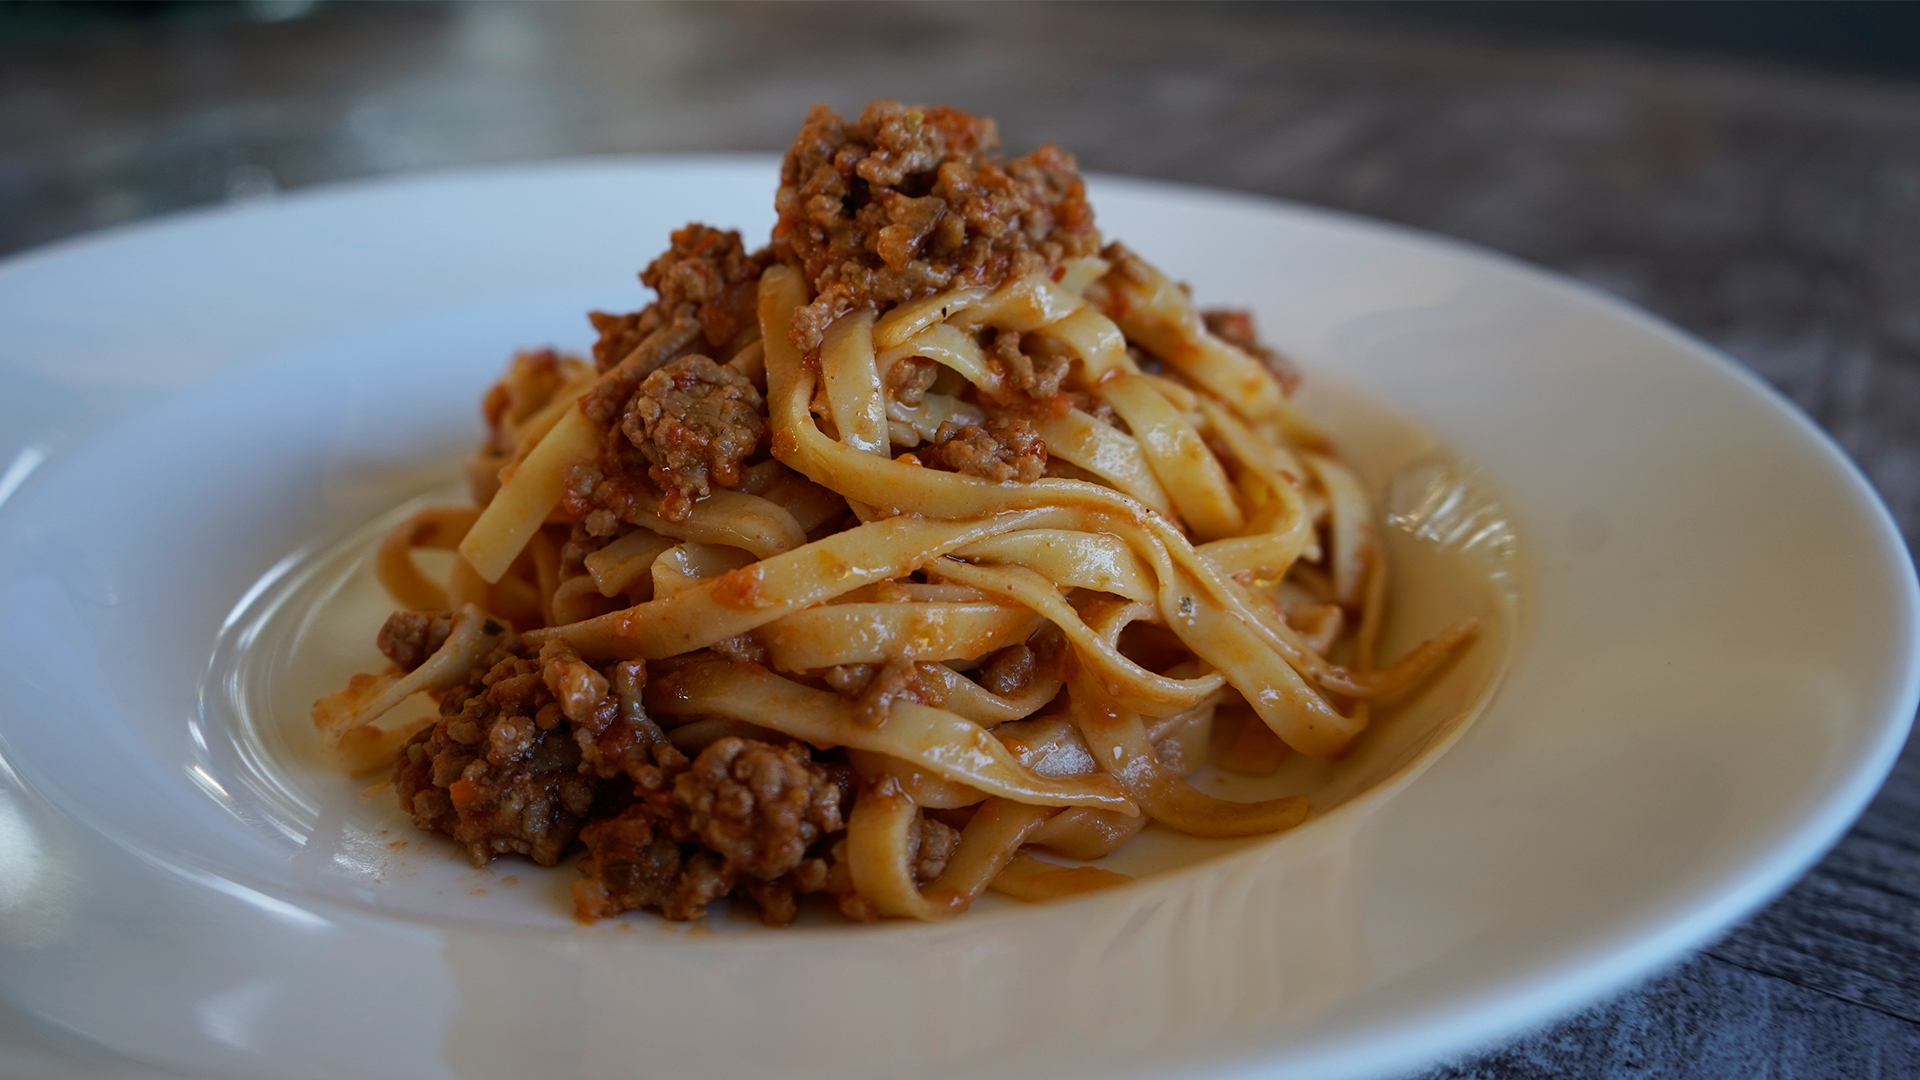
column 1011, row 549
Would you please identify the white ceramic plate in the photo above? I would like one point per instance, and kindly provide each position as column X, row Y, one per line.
column 1711, row 669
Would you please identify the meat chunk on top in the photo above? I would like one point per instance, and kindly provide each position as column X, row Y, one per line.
column 1001, row 452
column 742, row 816
column 907, row 201
column 707, row 286
column 709, row 271
column 694, row 422
column 705, row 274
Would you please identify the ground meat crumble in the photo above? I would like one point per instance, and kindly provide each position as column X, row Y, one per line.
column 541, row 753
column 743, row 815
column 908, row 380
column 1035, row 365
column 906, row 201
column 930, row 847
column 1000, row 452
column 408, row 637
column 694, row 422
column 707, row 286
column 498, row 772
column 873, row 688
column 1009, row 670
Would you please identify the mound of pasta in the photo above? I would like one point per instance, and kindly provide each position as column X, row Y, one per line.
column 934, row 534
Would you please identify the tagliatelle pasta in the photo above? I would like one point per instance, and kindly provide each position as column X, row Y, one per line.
column 933, row 535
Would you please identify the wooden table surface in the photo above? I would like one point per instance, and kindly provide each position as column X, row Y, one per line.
column 1772, row 210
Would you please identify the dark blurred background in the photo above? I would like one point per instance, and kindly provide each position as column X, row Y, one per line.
column 1749, row 171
